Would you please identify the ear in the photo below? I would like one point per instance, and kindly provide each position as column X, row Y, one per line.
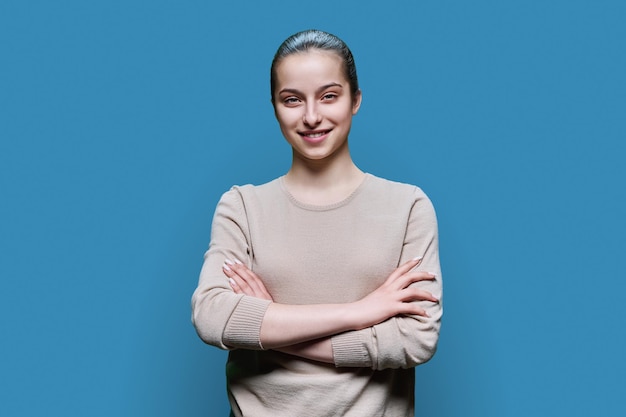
column 356, row 101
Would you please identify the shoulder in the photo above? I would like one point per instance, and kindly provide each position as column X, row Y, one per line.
column 395, row 190
column 410, row 199
column 249, row 194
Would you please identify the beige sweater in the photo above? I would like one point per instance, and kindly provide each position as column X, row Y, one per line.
column 309, row 255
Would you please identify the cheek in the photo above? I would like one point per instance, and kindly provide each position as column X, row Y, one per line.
column 343, row 115
column 287, row 117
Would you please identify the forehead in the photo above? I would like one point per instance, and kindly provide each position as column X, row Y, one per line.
column 310, row 67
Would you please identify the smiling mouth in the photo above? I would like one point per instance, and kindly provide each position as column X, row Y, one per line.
column 314, row 135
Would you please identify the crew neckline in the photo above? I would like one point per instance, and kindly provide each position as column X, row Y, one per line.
column 314, row 207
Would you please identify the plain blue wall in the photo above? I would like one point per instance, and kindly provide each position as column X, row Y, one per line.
column 122, row 122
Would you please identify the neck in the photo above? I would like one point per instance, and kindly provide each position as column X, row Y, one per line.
column 323, row 182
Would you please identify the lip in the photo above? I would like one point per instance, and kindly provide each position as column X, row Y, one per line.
column 314, row 136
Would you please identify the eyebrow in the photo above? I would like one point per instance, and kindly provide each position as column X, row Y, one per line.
column 319, row 90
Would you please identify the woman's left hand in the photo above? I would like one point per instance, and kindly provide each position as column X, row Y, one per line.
column 244, row 281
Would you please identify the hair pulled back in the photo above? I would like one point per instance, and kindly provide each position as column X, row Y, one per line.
column 316, row 39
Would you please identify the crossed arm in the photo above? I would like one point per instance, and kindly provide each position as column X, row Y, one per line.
column 306, row 330
column 395, row 330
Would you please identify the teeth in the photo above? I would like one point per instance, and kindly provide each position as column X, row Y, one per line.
column 315, row 135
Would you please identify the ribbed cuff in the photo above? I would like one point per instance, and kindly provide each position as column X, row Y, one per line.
column 349, row 350
column 243, row 329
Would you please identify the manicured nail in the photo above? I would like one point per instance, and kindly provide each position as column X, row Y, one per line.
column 232, row 282
column 237, row 261
column 417, row 258
column 229, row 262
column 226, row 267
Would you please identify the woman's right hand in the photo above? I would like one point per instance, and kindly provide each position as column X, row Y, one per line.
column 244, row 281
column 395, row 296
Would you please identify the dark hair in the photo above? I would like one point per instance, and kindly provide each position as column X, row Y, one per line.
column 316, row 39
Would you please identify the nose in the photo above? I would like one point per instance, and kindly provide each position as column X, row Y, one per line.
column 311, row 116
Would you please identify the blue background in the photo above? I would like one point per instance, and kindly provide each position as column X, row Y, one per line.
column 122, row 122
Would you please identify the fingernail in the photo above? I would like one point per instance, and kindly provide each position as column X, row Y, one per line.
column 237, row 261
column 229, row 262
column 226, row 267
column 232, row 282
column 418, row 258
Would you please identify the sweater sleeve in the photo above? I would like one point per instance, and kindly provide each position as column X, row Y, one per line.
column 402, row 341
column 221, row 317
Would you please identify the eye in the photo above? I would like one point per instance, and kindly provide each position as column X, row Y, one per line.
column 329, row 96
column 292, row 100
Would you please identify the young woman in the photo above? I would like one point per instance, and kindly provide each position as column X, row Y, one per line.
column 324, row 284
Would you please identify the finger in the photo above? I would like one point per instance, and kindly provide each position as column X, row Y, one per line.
column 234, row 286
column 403, row 269
column 413, row 309
column 416, row 294
column 250, row 282
column 420, row 312
column 230, row 271
column 230, row 274
column 250, row 278
column 239, row 286
column 236, row 279
column 413, row 277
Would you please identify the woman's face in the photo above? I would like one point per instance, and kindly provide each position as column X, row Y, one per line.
column 313, row 103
